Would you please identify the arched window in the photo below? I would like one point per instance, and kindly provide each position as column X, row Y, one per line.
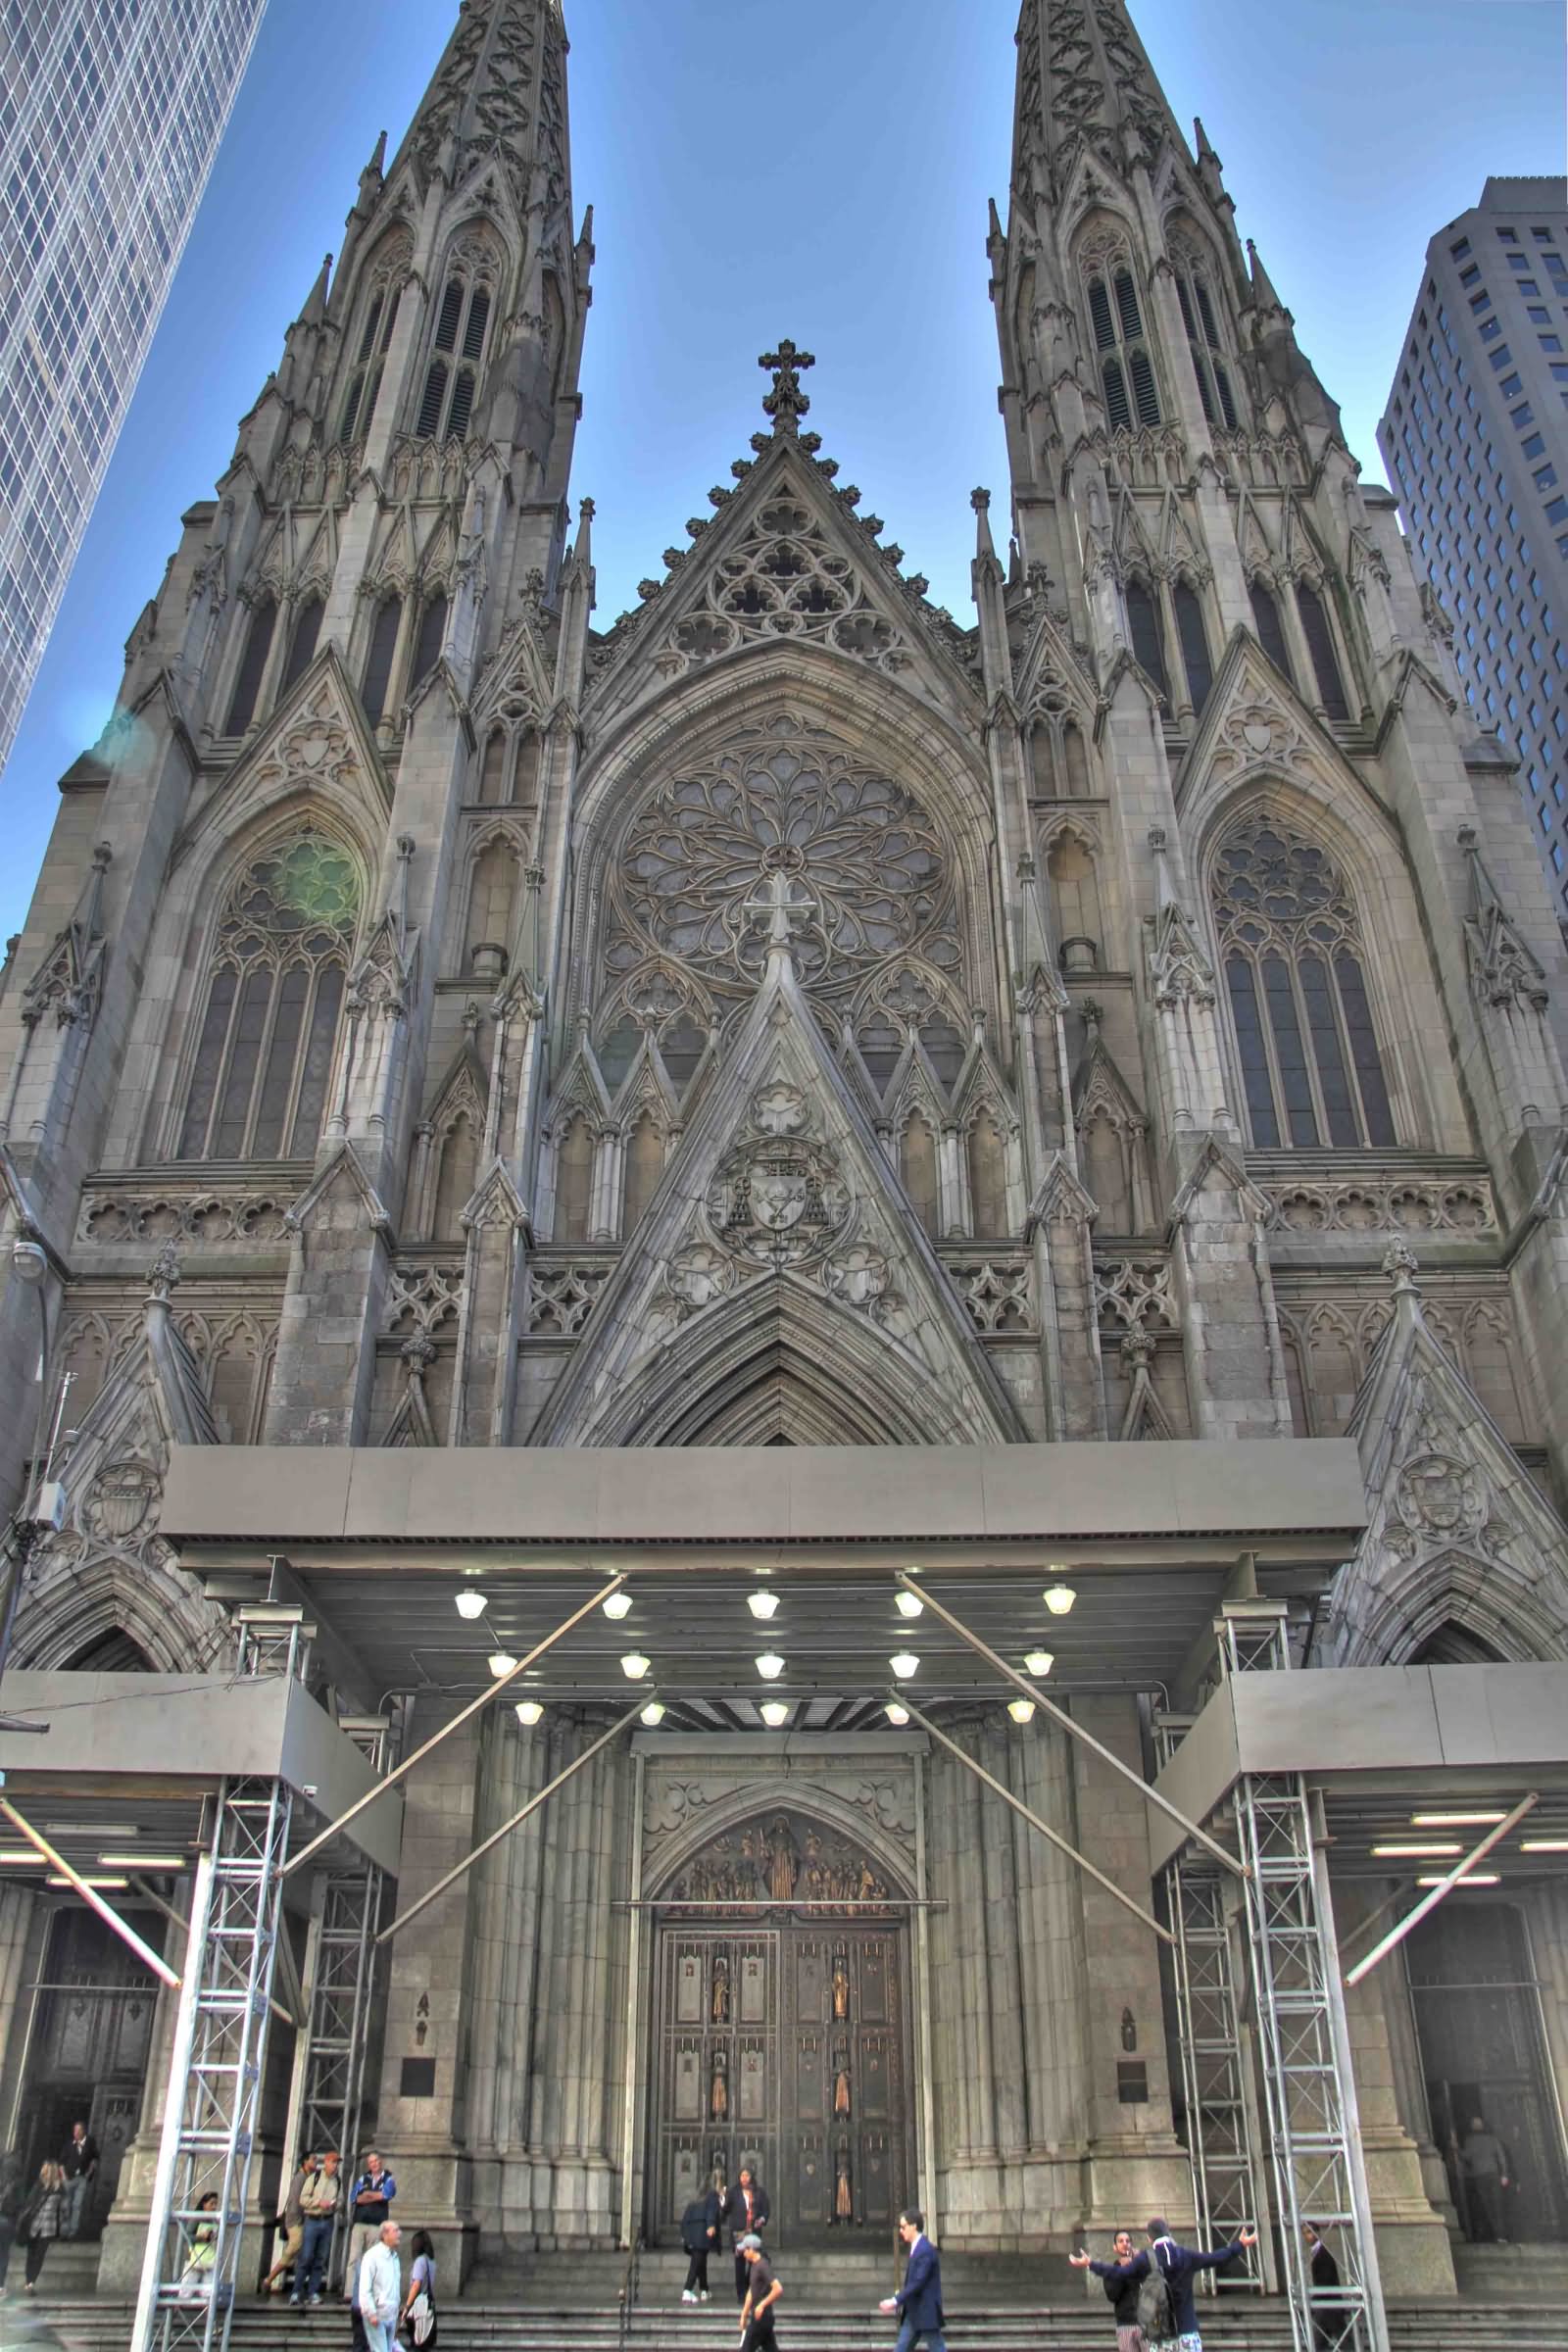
column 451, row 381
column 1296, row 972
column 1199, row 319
column 1147, row 636
column 1043, row 758
column 1074, row 903
column 252, row 666
column 493, row 768
column 258, row 1087
column 370, row 357
column 1320, row 645
column 525, row 769
column 380, row 658
column 1270, row 628
column 1195, row 645
column 428, row 645
column 1077, row 762
column 988, row 1177
column 455, row 1179
column 492, row 899
column 302, row 643
column 1126, row 371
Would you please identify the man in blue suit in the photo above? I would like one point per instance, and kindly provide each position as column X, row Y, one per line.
column 918, row 2301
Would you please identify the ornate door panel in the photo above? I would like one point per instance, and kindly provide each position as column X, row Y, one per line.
column 781, row 2034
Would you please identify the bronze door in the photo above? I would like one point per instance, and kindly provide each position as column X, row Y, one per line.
column 781, row 2036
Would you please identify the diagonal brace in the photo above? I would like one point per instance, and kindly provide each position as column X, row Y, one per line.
column 1045, row 1828
column 91, row 1895
column 1058, row 1715
column 1434, row 1895
column 474, row 1707
column 506, row 1827
column 150, row 1894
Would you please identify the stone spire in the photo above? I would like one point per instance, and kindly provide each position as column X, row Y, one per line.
column 1083, row 81
column 498, row 92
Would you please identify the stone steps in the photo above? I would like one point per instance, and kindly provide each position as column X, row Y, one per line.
column 55, row 2324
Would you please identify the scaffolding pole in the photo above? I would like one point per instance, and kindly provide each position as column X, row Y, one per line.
column 193, row 2249
column 1309, row 2084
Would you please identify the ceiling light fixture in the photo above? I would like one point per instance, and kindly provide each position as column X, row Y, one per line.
column 909, row 1604
column 1428, row 1850
column 895, row 1713
column 1457, row 1821
column 1527, row 1845
column 1472, row 1877
column 158, row 1862
column 904, row 1665
column 634, row 1665
column 617, row 1605
column 762, row 1605
column 1059, row 1598
column 1022, row 1710
column 472, row 1604
column 88, row 1878
column 502, row 1663
column 20, row 1855
column 775, row 1713
column 530, row 1711
column 770, row 1665
column 1040, row 1661
column 654, row 1713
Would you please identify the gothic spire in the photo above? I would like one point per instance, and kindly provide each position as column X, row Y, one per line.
column 498, row 92
column 1083, row 81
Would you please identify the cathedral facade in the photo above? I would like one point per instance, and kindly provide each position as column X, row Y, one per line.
column 1130, row 1016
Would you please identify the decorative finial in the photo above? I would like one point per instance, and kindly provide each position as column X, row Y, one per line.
column 1401, row 1267
column 980, row 499
column 786, row 404
column 163, row 1275
column 585, row 510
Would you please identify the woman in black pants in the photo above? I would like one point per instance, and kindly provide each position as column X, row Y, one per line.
column 699, row 2227
column 43, row 2219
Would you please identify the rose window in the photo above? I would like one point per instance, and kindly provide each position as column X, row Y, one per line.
column 865, row 875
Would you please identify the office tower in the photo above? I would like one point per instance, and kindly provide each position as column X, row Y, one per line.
column 110, row 118
column 1474, row 438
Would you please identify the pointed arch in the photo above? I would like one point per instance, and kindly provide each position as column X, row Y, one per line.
column 920, row 1166
column 645, row 1169
column 986, row 1161
column 456, row 1170
column 81, row 1603
column 495, row 877
column 575, row 1153
column 1078, row 923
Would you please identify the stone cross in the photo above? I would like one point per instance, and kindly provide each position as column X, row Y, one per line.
column 786, row 404
column 782, row 911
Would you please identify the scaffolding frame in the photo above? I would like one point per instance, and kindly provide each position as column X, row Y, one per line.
column 1303, row 2041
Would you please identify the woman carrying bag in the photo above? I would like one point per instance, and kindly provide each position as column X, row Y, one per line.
column 43, row 2219
column 419, row 2309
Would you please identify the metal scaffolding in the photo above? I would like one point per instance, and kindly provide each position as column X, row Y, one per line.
column 1309, row 2084
column 216, row 2067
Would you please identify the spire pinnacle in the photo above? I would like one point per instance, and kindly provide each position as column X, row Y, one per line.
column 1264, row 293
column 786, row 404
column 314, row 309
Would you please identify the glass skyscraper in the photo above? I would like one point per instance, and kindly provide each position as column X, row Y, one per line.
column 111, row 111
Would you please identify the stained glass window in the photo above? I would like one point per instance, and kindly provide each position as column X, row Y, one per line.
column 264, row 1055
column 1295, row 975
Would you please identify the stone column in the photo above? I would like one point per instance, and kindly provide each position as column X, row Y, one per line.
column 1053, row 1967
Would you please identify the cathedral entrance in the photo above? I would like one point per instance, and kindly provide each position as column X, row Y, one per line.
column 781, row 2036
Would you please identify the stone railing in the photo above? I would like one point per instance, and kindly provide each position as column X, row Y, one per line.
column 1456, row 1203
column 563, row 1293
column 194, row 1206
column 997, row 1288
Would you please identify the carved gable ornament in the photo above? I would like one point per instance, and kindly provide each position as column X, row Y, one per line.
column 778, row 1862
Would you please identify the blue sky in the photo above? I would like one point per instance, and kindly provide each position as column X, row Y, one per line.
column 816, row 170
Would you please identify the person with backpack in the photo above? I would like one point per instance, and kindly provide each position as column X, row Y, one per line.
column 1122, row 2282
column 701, row 2226
column 1167, row 2311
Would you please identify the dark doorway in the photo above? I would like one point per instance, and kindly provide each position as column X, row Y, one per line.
column 781, row 2034
column 92, row 2031
column 1483, row 2052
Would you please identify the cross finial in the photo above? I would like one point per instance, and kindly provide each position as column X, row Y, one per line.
column 786, row 404
column 781, row 909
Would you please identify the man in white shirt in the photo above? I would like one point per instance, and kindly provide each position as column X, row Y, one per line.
column 379, row 2290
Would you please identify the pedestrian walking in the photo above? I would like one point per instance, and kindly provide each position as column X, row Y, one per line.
column 1166, row 2313
column 291, row 2220
column 746, row 2210
column 418, row 2308
column 701, row 2226
column 1483, row 2163
column 1323, row 2275
column 1121, row 2279
column 762, row 2292
column 80, row 2163
column 369, row 2203
column 379, row 2289
column 43, row 2220
column 318, row 2202
column 918, row 2301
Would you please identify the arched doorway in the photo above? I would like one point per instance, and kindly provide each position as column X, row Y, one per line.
column 782, row 2032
